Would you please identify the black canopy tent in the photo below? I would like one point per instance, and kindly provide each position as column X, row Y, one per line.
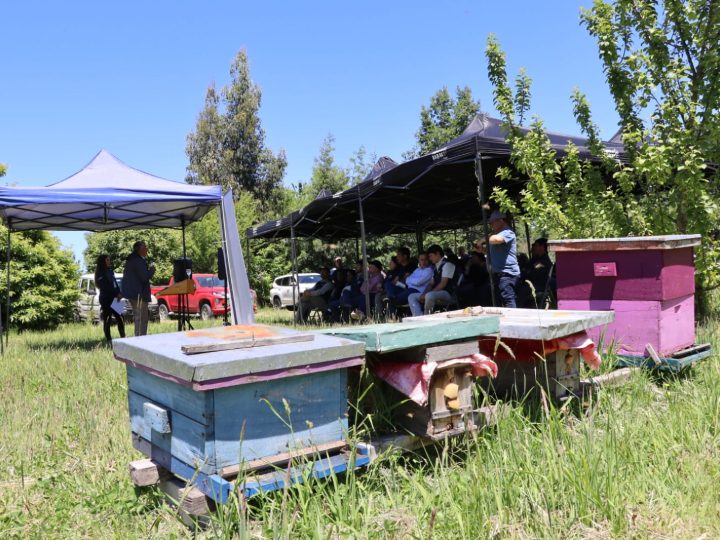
column 437, row 191
column 442, row 190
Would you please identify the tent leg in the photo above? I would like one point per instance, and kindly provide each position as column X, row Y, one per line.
column 364, row 257
column 7, row 300
column 293, row 268
column 419, row 239
column 183, row 303
column 483, row 211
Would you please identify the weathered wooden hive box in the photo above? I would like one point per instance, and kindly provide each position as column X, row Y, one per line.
column 400, row 353
column 649, row 282
column 533, row 348
column 201, row 415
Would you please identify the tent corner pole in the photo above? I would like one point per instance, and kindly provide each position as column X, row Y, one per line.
column 7, row 299
column 363, row 243
column 293, row 271
column 483, row 212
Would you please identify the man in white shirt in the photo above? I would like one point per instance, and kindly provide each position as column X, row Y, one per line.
column 315, row 298
column 443, row 284
column 416, row 283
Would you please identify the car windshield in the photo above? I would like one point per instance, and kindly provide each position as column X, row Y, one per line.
column 310, row 279
column 210, row 281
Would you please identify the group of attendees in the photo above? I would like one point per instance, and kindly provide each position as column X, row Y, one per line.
column 436, row 278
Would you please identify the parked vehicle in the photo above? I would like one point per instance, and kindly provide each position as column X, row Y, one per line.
column 281, row 292
column 207, row 301
column 87, row 306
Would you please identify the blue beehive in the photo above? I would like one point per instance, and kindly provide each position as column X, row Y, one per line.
column 202, row 416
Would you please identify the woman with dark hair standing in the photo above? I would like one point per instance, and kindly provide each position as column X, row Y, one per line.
column 109, row 290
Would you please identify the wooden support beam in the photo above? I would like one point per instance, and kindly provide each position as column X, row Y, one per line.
column 279, row 459
column 145, row 472
column 189, row 500
column 245, row 343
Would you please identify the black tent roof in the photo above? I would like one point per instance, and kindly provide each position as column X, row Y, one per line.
column 432, row 192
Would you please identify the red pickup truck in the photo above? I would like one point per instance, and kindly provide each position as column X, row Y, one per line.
column 208, row 300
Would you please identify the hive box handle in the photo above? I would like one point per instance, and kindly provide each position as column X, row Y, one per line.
column 156, row 418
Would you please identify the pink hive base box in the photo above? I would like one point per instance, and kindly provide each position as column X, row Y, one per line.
column 668, row 326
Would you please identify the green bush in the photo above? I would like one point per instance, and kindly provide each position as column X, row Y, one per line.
column 43, row 280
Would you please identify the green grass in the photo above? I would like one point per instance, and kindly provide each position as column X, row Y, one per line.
column 643, row 461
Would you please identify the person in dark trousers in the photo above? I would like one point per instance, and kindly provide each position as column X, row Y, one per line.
column 503, row 259
column 109, row 290
column 136, row 285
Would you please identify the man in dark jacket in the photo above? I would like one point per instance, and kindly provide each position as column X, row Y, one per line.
column 136, row 285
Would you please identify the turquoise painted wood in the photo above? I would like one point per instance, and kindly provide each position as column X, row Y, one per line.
column 394, row 336
column 217, row 428
column 157, row 418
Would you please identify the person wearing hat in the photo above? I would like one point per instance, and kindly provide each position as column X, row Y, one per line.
column 503, row 259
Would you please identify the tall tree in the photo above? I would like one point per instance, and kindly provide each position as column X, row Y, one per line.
column 361, row 163
column 444, row 119
column 228, row 144
column 326, row 175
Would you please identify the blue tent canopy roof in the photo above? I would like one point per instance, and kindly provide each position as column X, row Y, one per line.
column 107, row 194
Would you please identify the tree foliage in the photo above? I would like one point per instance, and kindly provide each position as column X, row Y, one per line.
column 228, row 145
column 327, row 176
column 164, row 246
column 444, row 119
column 652, row 53
column 43, row 280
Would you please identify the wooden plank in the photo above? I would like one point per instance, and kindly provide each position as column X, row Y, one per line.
column 430, row 353
column 146, row 472
column 244, row 344
column 614, row 378
column 187, row 499
column 186, row 286
column 674, row 241
column 393, row 336
column 282, row 458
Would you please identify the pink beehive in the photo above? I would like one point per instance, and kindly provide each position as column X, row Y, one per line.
column 649, row 282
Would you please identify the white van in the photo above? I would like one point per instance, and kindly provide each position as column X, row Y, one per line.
column 281, row 292
column 87, row 306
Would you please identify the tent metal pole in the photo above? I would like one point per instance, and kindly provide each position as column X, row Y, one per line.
column 483, row 212
column 419, row 238
column 7, row 299
column 293, row 268
column 364, row 256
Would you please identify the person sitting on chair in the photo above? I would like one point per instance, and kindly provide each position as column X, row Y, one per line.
column 444, row 281
column 373, row 286
column 416, row 283
column 317, row 297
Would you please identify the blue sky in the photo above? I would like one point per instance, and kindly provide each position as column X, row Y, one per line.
column 131, row 77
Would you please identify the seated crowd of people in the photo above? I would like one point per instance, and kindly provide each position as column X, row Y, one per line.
column 437, row 278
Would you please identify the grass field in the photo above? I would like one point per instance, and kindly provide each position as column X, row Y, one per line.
column 642, row 462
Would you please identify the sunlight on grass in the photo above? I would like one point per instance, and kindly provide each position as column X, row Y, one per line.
column 642, row 461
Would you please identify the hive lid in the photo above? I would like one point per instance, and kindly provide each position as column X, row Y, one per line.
column 393, row 336
column 533, row 323
column 671, row 241
column 162, row 352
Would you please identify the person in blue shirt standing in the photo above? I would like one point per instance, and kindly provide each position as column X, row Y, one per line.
column 503, row 259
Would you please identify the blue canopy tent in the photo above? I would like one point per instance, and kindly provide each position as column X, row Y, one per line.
column 107, row 194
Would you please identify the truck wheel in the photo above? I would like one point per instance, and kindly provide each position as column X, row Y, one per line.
column 277, row 303
column 206, row 312
column 163, row 312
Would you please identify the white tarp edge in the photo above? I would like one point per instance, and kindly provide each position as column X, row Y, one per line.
column 238, row 283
